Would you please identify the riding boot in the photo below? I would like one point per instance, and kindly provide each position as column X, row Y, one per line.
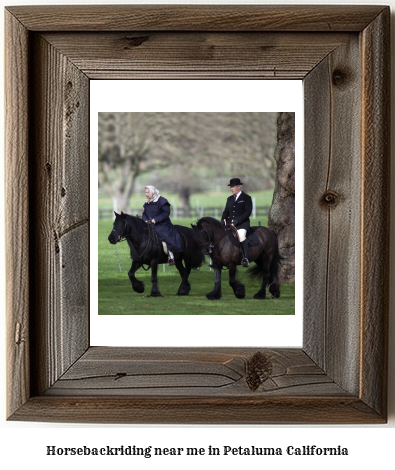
column 171, row 259
column 244, row 250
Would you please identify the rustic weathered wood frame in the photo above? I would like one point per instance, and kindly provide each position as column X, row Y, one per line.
column 339, row 376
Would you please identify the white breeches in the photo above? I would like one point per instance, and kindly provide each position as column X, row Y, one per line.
column 242, row 234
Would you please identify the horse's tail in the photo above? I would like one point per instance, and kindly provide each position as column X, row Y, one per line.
column 196, row 234
column 274, row 286
column 255, row 272
column 275, row 263
column 198, row 258
column 192, row 250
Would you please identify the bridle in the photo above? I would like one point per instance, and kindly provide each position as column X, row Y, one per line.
column 120, row 236
column 210, row 243
column 152, row 235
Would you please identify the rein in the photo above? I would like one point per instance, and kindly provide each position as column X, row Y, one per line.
column 151, row 236
column 210, row 243
column 235, row 233
column 122, row 238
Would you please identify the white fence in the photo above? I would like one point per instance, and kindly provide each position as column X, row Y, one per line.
column 197, row 213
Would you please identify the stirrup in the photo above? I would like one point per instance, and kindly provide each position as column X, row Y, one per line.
column 245, row 262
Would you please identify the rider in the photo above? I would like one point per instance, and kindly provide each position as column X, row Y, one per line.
column 157, row 212
column 237, row 213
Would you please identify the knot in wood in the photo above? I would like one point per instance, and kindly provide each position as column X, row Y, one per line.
column 18, row 334
column 330, row 199
column 135, row 41
column 259, row 369
column 340, row 77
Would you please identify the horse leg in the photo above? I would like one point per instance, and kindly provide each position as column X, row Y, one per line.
column 216, row 293
column 274, row 282
column 238, row 287
column 264, row 264
column 274, row 289
column 185, row 287
column 155, row 292
column 138, row 286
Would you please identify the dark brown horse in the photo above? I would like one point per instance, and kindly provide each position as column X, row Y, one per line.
column 214, row 239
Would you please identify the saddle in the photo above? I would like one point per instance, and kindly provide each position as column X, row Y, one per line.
column 252, row 237
column 152, row 232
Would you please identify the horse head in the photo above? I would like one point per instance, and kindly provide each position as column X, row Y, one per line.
column 118, row 229
column 208, row 232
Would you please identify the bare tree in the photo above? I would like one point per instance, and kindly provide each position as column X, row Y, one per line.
column 249, row 141
column 130, row 144
column 193, row 147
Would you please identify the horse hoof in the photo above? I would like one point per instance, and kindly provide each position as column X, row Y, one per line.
column 183, row 293
column 211, row 296
column 139, row 288
column 260, row 296
column 184, row 290
column 275, row 291
column 240, row 292
column 154, row 295
column 275, row 294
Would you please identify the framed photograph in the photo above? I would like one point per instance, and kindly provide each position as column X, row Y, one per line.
column 339, row 375
column 194, row 138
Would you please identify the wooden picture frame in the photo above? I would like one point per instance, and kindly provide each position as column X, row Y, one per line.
column 340, row 374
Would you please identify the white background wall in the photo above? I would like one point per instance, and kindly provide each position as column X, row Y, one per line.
column 24, row 444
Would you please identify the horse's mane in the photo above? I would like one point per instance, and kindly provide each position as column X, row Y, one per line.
column 135, row 221
column 216, row 224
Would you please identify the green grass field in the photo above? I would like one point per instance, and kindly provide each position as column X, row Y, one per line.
column 116, row 296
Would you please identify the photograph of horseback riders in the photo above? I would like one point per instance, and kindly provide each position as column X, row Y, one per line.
column 196, row 213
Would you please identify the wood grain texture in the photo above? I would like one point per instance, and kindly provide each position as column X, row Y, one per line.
column 191, row 372
column 339, row 375
column 332, row 218
column 60, row 122
column 375, row 211
column 316, row 224
column 194, row 17
column 17, row 213
column 196, row 54
column 198, row 410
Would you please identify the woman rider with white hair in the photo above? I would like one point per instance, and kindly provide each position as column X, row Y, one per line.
column 157, row 212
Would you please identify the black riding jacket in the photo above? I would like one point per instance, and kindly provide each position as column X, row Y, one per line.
column 238, row 211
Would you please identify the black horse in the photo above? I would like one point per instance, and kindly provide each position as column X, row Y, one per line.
column 146, row 249
column 214, row 238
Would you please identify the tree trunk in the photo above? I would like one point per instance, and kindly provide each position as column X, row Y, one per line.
column 184, row 196
column 282, row 211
